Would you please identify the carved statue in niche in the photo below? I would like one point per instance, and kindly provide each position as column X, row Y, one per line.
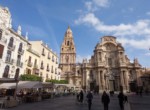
column 67, row 58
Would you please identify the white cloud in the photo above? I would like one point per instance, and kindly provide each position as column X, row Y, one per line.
column 101, row 3
column 139, row 44
column 147, row 54
column 148, row 13
column 131, row 9
column 129, row 34
column 94, row 5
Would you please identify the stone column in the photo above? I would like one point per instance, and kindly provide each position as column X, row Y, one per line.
column 83, row 78
column 87, row 78
column 103, row 81
column 121, row 80
column 99, row 79
column 127, row 81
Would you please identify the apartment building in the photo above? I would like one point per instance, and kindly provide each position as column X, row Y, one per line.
column 48, row 61
column 12, row 47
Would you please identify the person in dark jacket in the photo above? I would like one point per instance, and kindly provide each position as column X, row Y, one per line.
column 81, row 96
column 89, row 99
column 121, row 98
column 105, row 100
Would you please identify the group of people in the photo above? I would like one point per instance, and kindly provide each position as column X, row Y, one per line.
column 89, row 97
column 105, row 99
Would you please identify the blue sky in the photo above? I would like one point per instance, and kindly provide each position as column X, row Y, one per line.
column 47, row 20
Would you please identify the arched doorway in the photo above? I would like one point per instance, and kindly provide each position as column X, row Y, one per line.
column 6, row 72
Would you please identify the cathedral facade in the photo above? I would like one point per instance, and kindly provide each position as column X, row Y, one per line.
column 107, row 69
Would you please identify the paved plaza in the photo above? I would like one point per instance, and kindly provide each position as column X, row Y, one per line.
column 69, row 103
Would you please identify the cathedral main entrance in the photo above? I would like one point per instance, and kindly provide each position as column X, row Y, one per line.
column 111, row 85
column 92, row 86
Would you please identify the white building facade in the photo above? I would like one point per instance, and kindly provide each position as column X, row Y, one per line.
column 12, row 47
column 19, row 56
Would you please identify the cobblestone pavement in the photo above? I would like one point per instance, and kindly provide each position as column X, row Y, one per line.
column 66, row 103
column 139, row 102
column 69, row 103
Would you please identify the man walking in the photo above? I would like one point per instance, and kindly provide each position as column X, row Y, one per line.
column 89, row 99
column 121, row 100
column 105, row 100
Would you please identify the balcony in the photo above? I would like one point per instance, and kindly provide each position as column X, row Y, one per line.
column 21, row 52
column 11, row 48
column 48, row 69
column 29, row 64
column 3, row 40
column 35, row 66
column 52, row 60
column 36, row 71
column 42, row 67
column 43, row 53
column 48, row 57
column 20, row 64
column 9, row 60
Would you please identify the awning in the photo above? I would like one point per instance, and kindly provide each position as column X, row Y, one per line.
column 48, row 85
column 22, row 85
column 65, row 85
column 7, row 80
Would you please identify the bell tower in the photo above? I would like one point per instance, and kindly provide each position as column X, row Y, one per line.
column 67, row 52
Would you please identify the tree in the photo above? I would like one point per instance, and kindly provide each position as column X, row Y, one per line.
column 29, row 77
column 57, row 81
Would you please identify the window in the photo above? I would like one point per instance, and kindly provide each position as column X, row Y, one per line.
column 35, row 63
column 1, row 50
column 28, row 71
column 17, row 74
column 53, row 58
column 11, row 41
column 43, row 52
column 0, row 34
column 29, row 60
column 67, row 43
column 42, row 66
column 52, row 70
column 47, row 67
column 6, row 72
column 20, row 47
column 55, row 70
column 19, row 60
column 49, row 55
column 8, row 57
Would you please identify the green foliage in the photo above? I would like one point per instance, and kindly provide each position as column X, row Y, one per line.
column 29, row 77
column 57, row 81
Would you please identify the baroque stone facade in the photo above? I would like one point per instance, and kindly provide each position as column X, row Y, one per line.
column 108, row 69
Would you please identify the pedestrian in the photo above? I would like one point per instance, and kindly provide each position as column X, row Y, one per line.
column 105, row 100
column 126, row 104
column 121, row 98
column 78, row 97
column 89, row 99
column 81, row 96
